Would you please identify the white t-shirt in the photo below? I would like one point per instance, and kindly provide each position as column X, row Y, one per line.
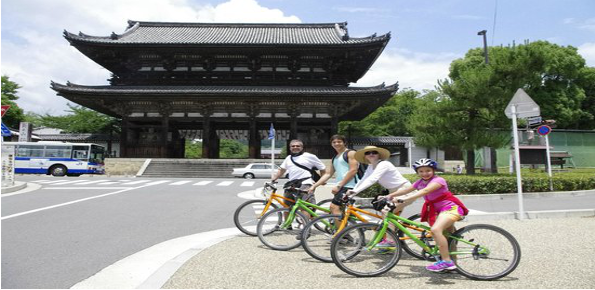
column 307, row 160
column 385, row 173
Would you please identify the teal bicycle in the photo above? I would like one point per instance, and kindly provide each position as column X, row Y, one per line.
column 480, row 251
column 280, row 229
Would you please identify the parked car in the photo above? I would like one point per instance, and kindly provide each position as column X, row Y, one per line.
column 255, row 170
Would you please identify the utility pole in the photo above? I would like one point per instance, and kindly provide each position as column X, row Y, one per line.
column 485, row 45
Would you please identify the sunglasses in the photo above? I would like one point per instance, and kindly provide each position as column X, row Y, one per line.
column 371, row 152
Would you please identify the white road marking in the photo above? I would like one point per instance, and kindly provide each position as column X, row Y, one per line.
column 137, row 182
column 53, row 181
column 247, row 183
column 68, row 182
column 225, row 183
column 181, row 182
column 89, row 187
column 68, row 203
column 205, row 182
column 94, row 181
column 158, row 182
column 45, row 181
column 109, row 182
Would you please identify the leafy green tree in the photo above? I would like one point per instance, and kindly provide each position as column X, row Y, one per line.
column 388, row 120
column 232, row 149
column 472, row 100
column 80, row 120
column 193, row 149
column 587, row 83
column 15, row 115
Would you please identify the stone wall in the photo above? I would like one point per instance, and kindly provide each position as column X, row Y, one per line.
column 123, row 166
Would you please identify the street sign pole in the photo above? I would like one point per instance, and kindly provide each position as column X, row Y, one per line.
column 549, row 161
column 517, row 163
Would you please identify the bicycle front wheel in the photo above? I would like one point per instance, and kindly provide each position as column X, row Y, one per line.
column 318, row 234
column 410, row 246
column 248, row 214
column 357, row 258
column 274, row 235
column 485, row 252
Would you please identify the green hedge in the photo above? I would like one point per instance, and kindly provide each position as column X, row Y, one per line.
column 500, row 183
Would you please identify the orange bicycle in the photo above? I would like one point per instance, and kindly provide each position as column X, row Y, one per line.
column 318, row 234
column 248, row 214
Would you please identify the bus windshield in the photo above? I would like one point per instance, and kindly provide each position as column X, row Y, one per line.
column 97, row 154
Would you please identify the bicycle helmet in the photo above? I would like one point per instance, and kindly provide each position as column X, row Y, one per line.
column 425, row 162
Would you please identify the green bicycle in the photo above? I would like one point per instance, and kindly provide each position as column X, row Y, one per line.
column 280, row 229
column 480, row 251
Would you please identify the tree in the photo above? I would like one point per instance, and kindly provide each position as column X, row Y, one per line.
column 471, row 101
column 587, row 82
column 80, row 120
column 15, row 115
column 388, row 120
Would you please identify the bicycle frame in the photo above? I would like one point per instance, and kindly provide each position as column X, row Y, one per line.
column 305, row 206
column 355, row 212
column 278, row 198
column 399, row 222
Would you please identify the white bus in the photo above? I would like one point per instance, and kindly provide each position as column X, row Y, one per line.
column 58, row 158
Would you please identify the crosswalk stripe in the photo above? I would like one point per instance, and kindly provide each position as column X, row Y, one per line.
column 47, row 181
column 54, row 181
column 205, row 182
column 157, row 182
column 225, row 183
column 43, row 181
column 137, row 182
column 94, row 181
column 181, row 182
column 247, row 183
column 109, row 182
column 69, row 182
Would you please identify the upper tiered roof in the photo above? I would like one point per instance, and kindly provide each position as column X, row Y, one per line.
column 166, row 53
column 140, row 33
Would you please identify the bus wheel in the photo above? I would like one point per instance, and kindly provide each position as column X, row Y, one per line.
column 58, row 170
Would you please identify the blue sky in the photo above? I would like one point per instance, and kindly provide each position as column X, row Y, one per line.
column 426, row 35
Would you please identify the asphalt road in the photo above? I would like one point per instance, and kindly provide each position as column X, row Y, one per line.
column 48, row 243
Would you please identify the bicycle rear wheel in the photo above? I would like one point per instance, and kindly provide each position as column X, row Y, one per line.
column 248, row 214
column 272, row 234
column 356, row 259
column 318, row 234
column 487, row 252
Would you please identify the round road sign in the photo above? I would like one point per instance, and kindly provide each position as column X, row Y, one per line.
column 543, row 130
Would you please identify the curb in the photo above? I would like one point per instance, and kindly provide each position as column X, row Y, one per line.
column 18, row 185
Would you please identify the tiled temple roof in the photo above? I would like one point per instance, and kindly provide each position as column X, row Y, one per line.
column 231, row 34
column 224, row 90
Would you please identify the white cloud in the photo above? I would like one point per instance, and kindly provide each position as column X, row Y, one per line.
column 412, row 70
column 34, row 51
column 587, row 51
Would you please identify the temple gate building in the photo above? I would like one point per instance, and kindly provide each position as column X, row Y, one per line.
column 176, row 81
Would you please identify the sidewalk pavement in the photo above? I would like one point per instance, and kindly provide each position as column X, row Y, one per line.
column 180, row 263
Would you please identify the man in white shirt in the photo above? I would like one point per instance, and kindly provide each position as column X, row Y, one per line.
column 299, row 165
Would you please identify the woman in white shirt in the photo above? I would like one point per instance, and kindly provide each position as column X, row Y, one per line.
column 385, row 173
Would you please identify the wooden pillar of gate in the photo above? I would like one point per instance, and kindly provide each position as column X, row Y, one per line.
column 206, row 132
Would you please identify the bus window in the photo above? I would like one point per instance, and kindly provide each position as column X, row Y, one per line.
column 29, row 151
column 57, row 151
column 80, row 152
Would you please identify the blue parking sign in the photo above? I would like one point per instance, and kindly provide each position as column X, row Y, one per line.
column 5, row 131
